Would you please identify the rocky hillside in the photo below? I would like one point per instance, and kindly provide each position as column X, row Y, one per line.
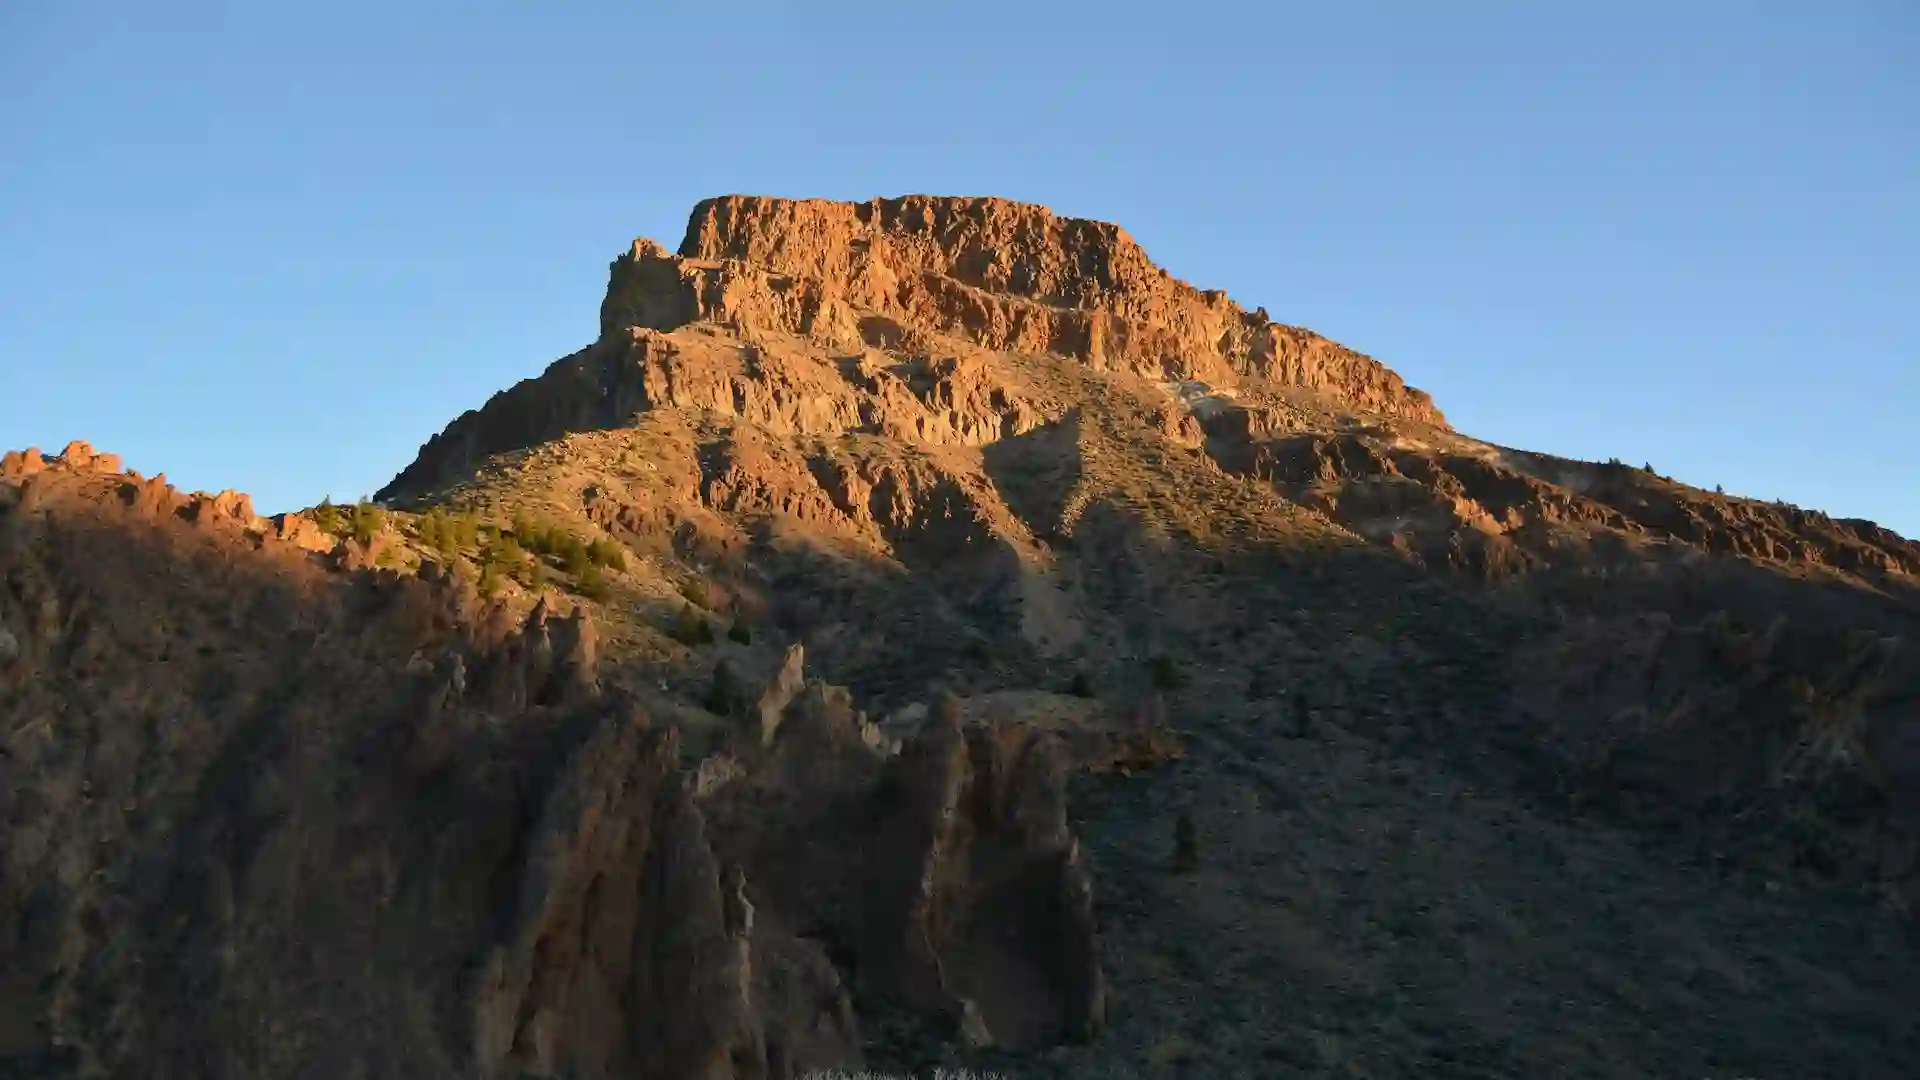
column 981, row 648
column 269, row 815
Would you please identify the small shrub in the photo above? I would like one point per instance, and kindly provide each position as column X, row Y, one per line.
column 366, row 521
column 1166, row 674
column 607, row 553
column 438, row 533
column 507, row 551
column 1081, row 686
column 593, row 584
column 327, row 517
column 531, row 535
column 740, row 633
column 465, row 529
column 504, row 558
column 490, row 582
column 573, row 555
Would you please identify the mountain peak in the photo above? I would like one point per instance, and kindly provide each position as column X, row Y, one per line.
column 1006, row 276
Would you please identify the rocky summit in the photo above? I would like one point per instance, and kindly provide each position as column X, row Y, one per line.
column 924, row 634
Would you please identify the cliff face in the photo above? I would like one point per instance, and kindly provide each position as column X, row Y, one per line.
column 901, row 317
column 1006, row 276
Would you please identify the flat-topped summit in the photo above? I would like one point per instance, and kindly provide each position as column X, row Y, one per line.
column 1001, row 246
column 1007, row 276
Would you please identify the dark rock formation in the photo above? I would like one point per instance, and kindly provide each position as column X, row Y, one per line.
column 267, row 816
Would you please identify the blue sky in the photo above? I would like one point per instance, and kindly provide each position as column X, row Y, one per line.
column 275, row 247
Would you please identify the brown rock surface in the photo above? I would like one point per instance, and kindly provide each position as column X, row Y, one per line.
column 244, row 784
column 819, row 318
column 22, row 462
column 1008, row 276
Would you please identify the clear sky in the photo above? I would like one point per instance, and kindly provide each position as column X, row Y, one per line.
column 275, row 246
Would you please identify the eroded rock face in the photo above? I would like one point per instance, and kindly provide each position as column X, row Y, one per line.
column 243, row 784
column 1496, row 515
column 999, row 914
column 1008, row 276
column 896, row 317
column 242, row 787
column 301, row 532
column 82, row 457
column 631, row 958
column 944, row 870
column 22, row 462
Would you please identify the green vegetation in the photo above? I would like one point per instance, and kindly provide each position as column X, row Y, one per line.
column 502, row 557
column 740, row 633
column 366, row 521
column 440, row 533
column 507, row 551
column 530, row 533
column 573, row 555
column 544, row 539
column 1166, row 674
column 607, row 553
column 577, row 558
column 592, row 584
column 490, row 580
column 327, row 517
column 1081, row 686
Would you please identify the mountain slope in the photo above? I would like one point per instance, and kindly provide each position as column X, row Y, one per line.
column 1192, row 494
column 1190, row 700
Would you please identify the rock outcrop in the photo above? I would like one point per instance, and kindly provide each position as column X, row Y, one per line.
column 625, row 961
column 1010, row 277
column 993, row 917
column 245, row 783
column 1497, row 513
column 942, row 869
column 820, row 318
